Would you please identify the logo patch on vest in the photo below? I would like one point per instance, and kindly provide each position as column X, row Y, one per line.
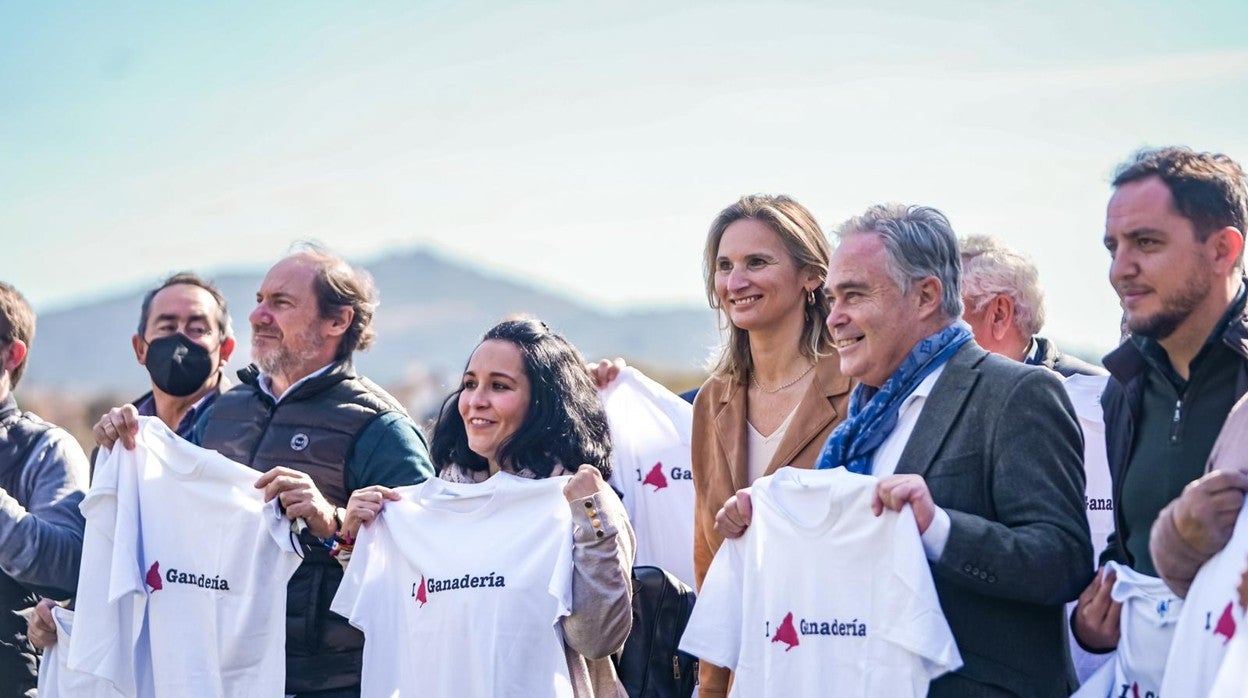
column 299, row 441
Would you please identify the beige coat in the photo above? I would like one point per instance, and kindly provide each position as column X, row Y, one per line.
column 720, row 454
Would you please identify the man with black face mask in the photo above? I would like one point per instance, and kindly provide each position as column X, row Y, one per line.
column 184, row 340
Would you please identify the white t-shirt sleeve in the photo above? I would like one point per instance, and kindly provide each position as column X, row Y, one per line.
column 1210, row 619
column 56, row 679
column 650, row 430
column 560, row 585
column 714, row 630
column 126, row 576
column 106, row 631
column 279, row 529
column 367, row 565
column 920, row 626
column 1232, row 678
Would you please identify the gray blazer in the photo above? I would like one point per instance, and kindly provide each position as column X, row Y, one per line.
column 999, row 446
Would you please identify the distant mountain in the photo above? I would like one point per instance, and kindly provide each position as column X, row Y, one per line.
column 433, row 311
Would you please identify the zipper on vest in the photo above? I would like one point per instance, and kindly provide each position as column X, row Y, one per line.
column 676, row 667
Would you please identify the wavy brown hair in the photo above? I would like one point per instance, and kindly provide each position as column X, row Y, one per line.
column 804, row 240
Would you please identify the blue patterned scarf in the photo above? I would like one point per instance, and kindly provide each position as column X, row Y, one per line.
column 873, row 413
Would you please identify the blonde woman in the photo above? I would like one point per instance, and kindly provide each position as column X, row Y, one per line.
column 776, row 391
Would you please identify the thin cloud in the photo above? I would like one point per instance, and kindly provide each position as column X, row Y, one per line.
column 1150, row 71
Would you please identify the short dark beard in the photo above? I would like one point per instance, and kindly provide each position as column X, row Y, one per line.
column 1174, row 310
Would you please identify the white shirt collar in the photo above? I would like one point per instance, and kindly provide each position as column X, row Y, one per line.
column 1033, row 348
column 266, row 383
column 924, row 388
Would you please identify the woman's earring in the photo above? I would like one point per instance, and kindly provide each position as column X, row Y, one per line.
column 810, row 297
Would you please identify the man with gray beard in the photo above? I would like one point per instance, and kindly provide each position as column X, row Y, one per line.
column 318, row 432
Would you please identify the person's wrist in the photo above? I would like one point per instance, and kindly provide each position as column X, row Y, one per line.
column 329, row 519
column 341, row 534
column 322, row 524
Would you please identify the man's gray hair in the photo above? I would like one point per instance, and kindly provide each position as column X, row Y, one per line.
column 990, row 268
column 919, row 242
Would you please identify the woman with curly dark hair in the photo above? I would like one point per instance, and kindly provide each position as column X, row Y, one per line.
column 546, row 387
column 527, row 410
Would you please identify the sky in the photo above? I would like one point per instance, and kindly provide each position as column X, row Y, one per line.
column 584, row 147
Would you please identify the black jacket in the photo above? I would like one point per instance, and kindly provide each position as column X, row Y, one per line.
column 1048, row 356
column 1121, row 404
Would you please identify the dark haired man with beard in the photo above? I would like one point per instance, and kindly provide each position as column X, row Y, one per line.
column 318, row 431
column 1175, row 233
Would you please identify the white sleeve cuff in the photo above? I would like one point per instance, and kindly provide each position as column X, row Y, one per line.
column 937, row 535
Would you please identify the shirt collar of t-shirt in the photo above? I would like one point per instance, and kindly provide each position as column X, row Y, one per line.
column 889, row 453
column 473, row 499
column 266, row 383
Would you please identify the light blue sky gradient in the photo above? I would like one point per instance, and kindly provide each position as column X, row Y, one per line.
column 584, row 146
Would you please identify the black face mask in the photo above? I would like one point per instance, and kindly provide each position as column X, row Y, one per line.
column 177, row 365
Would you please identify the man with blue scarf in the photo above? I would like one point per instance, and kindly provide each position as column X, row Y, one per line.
column 986, row 451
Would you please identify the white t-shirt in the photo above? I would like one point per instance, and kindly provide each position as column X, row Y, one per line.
column 650, row 436
column 56, row 679
column 1211, row 618
column 1085, row 394
column 1232, row 678
column 1149, row 613
column 821, row 597
column 182, row 590
column 459, row 589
